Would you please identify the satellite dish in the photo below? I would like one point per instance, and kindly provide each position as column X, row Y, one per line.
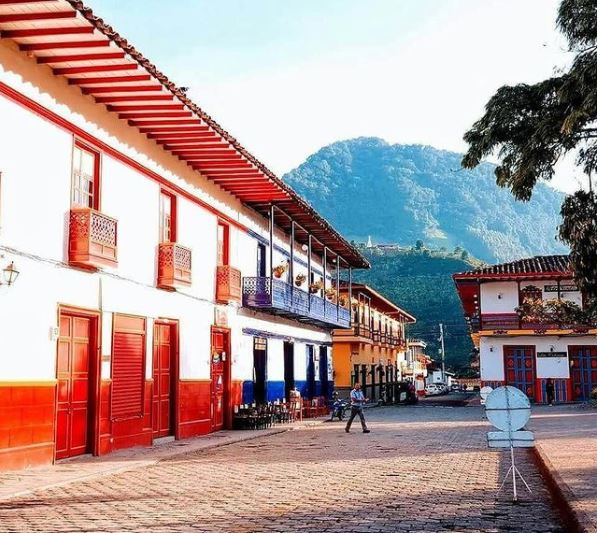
column 508, row 408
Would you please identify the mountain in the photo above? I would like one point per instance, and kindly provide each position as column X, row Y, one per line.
column 404, row 193
column 420, row 281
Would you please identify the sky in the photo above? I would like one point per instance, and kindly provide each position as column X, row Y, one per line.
column 287, row 77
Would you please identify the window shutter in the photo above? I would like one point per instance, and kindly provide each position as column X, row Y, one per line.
column 128, row 371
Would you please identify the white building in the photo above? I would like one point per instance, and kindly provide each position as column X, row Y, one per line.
column 147, row 241
column 515, row 350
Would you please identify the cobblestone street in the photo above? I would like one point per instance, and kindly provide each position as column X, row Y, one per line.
column 421, row 469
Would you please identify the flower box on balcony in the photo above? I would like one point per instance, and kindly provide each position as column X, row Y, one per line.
column 174, row 265
column 92, row 238
column 228, row 284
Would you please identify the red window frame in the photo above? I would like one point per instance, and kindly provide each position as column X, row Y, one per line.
column 223, row 244
column 168, row 223
column 77, row 192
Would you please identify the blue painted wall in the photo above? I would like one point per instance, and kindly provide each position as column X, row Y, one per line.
column 248, row 392
column 275, row 390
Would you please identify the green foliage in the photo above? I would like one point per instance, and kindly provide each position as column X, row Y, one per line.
column 562, row 312
column 404, row 194
column 579, row 229
column 531, row 127
column 421, row 283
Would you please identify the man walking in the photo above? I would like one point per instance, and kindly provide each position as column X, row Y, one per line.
column 357, row 399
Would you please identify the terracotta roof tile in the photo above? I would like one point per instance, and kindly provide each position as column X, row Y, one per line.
column 540, row 264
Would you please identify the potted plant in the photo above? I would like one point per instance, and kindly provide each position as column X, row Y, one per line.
column 315, row 287
column 342, row 300
column 279, row 270
column 300, row 279
column 330, row 293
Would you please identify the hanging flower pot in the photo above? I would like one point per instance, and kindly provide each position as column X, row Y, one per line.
column 279, row 270
column 330, row 293
column 300, row 279
column 315, row 287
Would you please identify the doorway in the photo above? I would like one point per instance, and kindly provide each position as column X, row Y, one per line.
column 77, row 389
column 519, row 364
column 259, row 370
column 165, row 367
column 220, row 378
column 323, row 372
column 261, row 260
column 583, row 370
column 310, row 372
column 288, row 368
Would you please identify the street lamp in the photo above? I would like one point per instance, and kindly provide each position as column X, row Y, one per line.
column 10, row 274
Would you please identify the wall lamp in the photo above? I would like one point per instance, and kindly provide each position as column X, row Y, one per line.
column 9, row 274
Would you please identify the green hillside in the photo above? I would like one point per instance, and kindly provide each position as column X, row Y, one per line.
column 401, row 193
column 420, row 282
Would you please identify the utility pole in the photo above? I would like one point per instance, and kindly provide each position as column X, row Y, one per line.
column 441, row 339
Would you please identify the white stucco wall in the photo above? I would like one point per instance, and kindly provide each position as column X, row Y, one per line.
column 502, row 296
column 492, row 354
column 36, row 161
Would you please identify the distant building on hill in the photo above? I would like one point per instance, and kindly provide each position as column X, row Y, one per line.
column 523, row 350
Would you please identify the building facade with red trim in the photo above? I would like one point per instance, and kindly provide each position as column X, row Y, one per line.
column 160, row 262
column 521, row 350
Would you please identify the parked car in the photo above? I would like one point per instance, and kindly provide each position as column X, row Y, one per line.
column 433, row 390
column 455, row 387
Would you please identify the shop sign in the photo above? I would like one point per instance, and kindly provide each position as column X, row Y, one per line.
column 552, row 354
column 563, row 288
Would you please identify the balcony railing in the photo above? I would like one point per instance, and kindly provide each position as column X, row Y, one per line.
column 507, row 321
column 228, row 284
column 92, row 238
column 278, row 297
column 174, row 265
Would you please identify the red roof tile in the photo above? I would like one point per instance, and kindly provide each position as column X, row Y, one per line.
column 538, row 265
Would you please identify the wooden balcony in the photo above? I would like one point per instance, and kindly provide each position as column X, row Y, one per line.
column 228, row 284
column 92, row 239
column 174, row 265
column 511, row 321
column 280, row 298
column 358, row 333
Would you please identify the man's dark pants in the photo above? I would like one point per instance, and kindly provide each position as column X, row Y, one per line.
column 354, row 411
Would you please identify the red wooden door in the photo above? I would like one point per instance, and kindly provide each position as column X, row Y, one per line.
column 73, row 373
column 163, row 379
column 583, row 371
column 219, row 378
column 519, row 364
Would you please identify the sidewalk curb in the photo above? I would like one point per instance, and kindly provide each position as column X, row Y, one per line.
column 142, row 463
column 564, row 499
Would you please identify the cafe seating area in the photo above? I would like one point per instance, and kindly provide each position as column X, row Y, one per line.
column 264, row 416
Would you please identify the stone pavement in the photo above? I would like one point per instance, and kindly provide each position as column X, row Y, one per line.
column 420, row 470
column 18, row 483
column 567, row 442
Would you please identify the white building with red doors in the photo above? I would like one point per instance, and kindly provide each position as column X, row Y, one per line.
column 513, row 349
column 148, row 303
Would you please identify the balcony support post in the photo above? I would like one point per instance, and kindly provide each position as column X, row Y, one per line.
column 350, row 295
column 520, row 302
column 325, row 260
column 271, row 242
column 338, row 258
column 291, row 266
column 309, row 271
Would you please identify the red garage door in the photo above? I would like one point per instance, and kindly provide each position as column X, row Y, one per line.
column 128, row 367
